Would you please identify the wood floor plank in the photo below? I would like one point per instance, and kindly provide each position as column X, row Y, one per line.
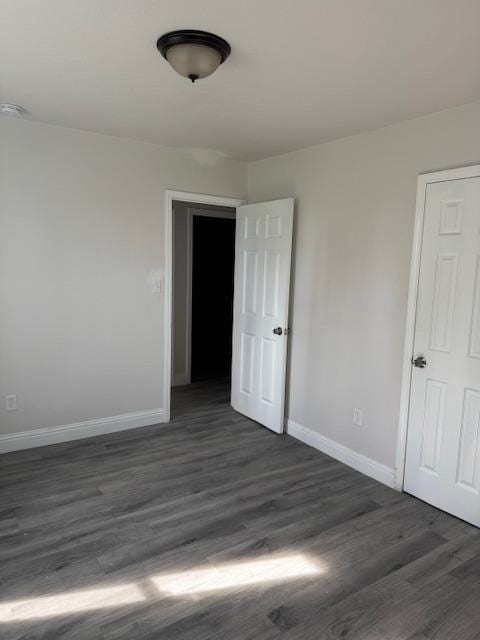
column 214, row 528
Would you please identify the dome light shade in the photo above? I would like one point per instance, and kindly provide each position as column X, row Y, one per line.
column 193, row 61
column 193, row 54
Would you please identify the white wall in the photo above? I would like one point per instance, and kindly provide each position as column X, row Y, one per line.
column 354, row 225
column 81, row 336
column 81, row 228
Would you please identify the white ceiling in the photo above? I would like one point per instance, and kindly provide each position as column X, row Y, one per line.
column 301, row 71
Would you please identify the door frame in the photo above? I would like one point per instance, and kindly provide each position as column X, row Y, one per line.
column 460, row 173
column 194, row 198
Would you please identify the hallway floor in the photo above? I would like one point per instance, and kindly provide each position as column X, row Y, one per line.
column 214, row 528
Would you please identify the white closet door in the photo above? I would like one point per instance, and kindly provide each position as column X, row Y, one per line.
column 443, row 446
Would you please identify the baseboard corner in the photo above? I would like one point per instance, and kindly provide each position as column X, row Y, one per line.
column 351, row 458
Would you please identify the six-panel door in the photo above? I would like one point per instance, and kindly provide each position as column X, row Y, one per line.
column 262, row 280
column 443, row 446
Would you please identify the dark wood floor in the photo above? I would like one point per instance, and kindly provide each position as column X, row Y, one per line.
column 272, row 539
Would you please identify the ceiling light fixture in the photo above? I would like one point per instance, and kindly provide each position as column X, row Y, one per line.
column 12, row 109
column 193, row 54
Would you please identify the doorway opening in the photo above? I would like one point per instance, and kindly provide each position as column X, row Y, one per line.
column 200, row 253
column 203, row 270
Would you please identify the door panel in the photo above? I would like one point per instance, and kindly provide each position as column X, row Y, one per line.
column 443, row 302
column 468, row 473
column 432, row 425
column 443, row 445
column 262, row 281
column 474, row 350
column 247, row 362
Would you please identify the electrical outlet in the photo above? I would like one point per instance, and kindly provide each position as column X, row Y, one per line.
column 11, row 403
column 358, row 417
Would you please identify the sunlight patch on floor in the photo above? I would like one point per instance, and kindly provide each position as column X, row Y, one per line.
column 228, row 576
column 70, row 602
column 237, row 575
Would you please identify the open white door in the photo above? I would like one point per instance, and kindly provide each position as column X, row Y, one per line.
column 260, row 311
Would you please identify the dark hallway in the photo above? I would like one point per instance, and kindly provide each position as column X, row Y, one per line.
column 212, row 297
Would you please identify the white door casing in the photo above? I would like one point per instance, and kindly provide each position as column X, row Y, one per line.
column 442, row 464
column 263, row 250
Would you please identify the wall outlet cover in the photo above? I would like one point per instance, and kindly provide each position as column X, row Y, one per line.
column 11, row 403
column 358, row 417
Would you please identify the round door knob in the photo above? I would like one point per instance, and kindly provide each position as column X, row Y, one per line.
column 419, row 362
column 278, row 331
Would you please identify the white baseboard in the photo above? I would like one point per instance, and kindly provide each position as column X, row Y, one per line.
column 79, row 430
column 357, row 461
